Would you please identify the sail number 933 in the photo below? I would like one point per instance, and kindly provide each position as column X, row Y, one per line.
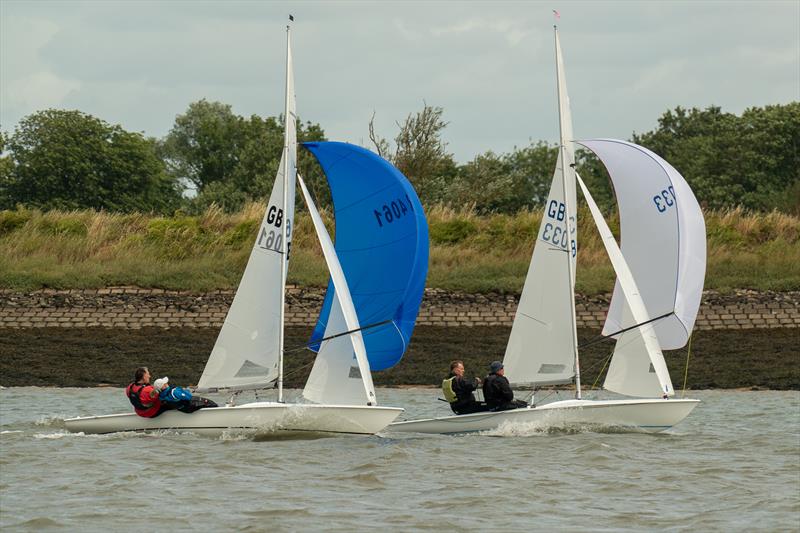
column 555, row 233
column 665, row 199
column 393, row 210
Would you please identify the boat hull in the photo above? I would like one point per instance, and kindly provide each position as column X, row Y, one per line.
column 649, row 415
column 258, row 418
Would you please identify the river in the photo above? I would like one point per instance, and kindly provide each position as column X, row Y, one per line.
column 732, row 465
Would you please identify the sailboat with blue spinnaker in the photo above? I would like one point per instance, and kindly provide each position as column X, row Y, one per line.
column 377, row 277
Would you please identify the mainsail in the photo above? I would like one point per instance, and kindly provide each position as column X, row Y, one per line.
column 248, row 347
column 382, row 245
column 542, row 344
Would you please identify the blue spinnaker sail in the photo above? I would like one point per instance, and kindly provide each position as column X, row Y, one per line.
column 382, row 244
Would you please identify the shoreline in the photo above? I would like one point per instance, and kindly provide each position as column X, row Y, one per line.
column 135, row 308
column 766, row 359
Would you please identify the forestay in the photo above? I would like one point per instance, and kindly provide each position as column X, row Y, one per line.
column 382, row 245
column 541, row 347
column 662, row 236
column 247, row 349
column 341, row 373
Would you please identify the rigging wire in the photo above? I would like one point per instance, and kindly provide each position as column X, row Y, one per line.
column 605, row 363
column 686, row 370
column 586, row 370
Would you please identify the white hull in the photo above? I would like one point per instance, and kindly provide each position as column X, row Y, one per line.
column 257, row 417
column 650, row 415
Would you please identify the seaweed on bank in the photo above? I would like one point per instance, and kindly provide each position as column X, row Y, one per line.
column 67, row 357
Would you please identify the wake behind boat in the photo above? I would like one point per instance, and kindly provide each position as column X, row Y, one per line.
column 660, row 270
column 356, row 332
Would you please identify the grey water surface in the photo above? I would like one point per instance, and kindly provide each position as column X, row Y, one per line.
column 732, row 465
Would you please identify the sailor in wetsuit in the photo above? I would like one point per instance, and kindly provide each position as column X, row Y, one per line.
column 458, row 391
column 497, row 391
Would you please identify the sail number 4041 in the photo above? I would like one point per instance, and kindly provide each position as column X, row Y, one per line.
column 394, row 210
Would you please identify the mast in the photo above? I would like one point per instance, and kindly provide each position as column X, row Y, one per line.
column 564, row 163
column 285, row 214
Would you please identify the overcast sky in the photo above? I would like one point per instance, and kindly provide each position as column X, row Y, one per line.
column 490, row 65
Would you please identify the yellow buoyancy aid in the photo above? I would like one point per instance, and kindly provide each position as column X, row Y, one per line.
column 447, row 390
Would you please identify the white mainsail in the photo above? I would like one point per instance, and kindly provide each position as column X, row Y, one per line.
column 542, row 346
column 341, row 373
column 637, row 349
column 248, row 347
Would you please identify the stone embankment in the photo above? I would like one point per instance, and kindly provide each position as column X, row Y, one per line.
column 133, row 308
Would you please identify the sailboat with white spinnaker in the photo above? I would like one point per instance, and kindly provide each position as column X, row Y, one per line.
column 660, row 269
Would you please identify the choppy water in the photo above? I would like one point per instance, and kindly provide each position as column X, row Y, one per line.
column 733, row 465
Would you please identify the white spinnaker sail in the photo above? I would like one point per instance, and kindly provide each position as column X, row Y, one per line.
column 663, row 239
column 341, row 373
column 247, row 349
column 637, row 351
column 541, row 347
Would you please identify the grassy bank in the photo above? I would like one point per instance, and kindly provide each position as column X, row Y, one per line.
column 85, row 358
column 87, row 249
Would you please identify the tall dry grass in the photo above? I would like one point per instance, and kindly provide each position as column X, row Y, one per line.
column 469, row 252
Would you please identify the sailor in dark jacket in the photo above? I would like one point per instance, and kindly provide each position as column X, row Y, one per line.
column 497, row 391
column 458, row 391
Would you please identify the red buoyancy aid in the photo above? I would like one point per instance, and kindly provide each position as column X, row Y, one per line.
column 144, row 409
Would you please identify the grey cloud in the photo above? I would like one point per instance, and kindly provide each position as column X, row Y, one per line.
column 488, row 64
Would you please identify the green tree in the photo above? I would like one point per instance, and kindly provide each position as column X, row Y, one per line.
column 533, row 167
column 260, row 155
column 594, row 174
column 231, row 159
column 485, row 183
column 71, row 160
column 505, row 183
column 752, row 160
column 204, row 144
column 421, row 153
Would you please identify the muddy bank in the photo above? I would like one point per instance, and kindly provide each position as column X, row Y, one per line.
column 95, row 356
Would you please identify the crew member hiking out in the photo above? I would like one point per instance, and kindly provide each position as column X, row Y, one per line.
column 149, row 401
column 459, row 392
column 497, row 391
